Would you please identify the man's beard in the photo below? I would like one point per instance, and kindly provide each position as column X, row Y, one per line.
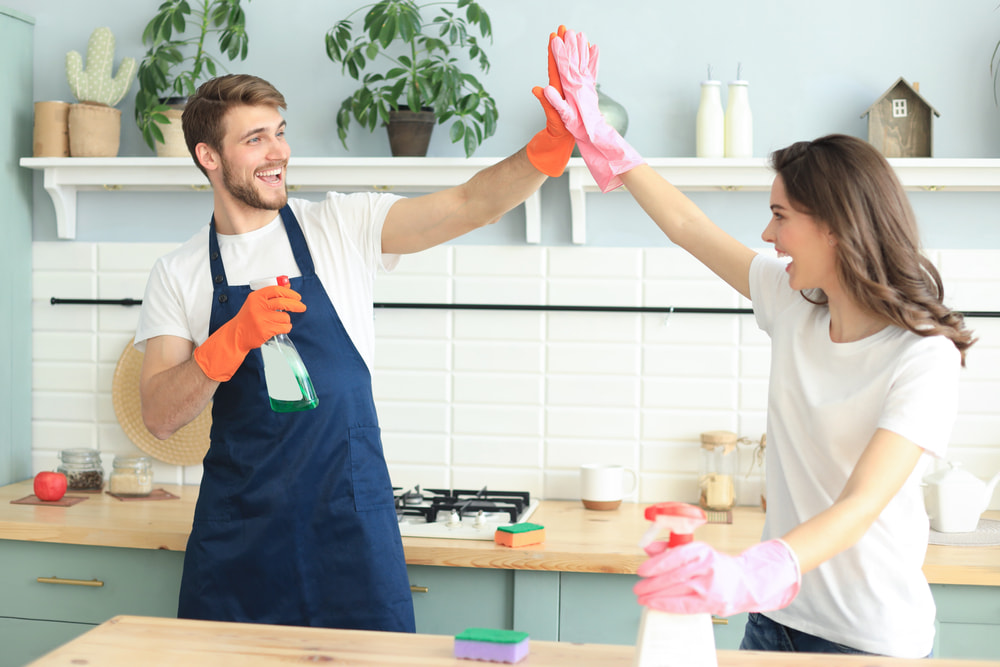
column 247, row 194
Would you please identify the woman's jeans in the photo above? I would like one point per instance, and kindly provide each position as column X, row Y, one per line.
column 763, row 634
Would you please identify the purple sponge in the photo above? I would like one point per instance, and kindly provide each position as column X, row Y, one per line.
column 491, row 645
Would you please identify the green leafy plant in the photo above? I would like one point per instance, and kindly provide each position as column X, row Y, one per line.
column 421, row 72
column 178, row 61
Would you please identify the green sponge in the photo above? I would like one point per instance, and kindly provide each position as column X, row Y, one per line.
column 491, row 645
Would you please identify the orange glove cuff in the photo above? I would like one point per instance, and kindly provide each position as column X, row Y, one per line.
column 549, row 153
column 219, row 357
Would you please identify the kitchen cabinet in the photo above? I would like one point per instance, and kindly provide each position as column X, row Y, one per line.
column 54, row 592
column 968, row 622
column 16, row 121
column 446, row 600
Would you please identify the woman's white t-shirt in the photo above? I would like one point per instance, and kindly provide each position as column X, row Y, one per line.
column 825, row 401
column 344, row 236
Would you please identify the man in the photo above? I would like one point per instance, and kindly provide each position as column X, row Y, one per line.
column 295, row 522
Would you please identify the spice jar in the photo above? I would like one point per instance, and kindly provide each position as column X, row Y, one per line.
column 82, row 468
column 718, row 468
column 131, row 476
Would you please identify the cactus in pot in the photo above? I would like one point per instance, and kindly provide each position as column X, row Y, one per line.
column 97, row 122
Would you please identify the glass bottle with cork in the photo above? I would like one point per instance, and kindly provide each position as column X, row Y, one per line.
column 718, row 469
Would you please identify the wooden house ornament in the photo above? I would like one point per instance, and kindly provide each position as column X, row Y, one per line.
column 899, row 122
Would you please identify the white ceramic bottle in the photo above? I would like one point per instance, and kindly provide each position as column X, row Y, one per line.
column 739, row 120
column 710, row 129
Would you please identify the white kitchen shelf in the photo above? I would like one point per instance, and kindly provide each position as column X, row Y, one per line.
column 754, row 174
column 64, row 177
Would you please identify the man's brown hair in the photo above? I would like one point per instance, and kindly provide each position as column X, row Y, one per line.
column 205, row 110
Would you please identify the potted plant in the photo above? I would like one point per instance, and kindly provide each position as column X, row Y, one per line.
column 94, row 123
column 177, row 62
column 422, row 75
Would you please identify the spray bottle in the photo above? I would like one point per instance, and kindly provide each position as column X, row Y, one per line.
column 289, row 387
column 674, row 640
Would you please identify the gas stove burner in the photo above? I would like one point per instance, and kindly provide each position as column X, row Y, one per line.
column 412, row 497
column 462, row 513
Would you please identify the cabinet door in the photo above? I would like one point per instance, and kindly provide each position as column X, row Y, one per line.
column 968, row 622
column 24, row 641
column 141, row 582
column 447, row 600
column 602, row 609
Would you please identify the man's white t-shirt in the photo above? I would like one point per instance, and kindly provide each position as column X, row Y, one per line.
column 825, row 402
column 344, row 236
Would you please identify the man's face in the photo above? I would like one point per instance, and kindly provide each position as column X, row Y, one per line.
column 255, row 156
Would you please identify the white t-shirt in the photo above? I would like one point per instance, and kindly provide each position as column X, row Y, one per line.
column 825, row 402
column 344, row 235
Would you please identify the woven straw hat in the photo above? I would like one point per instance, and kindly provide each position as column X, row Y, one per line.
column 186, row 447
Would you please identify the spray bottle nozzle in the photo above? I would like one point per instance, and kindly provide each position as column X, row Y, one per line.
column 680, row 519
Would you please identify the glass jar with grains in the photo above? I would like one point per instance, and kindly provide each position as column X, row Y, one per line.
column 718, row 467
column 131, row 476
column 82, row 468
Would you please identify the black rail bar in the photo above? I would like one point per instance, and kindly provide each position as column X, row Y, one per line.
column 503, row 306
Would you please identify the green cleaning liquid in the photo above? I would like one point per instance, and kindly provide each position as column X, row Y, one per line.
column 289, row 387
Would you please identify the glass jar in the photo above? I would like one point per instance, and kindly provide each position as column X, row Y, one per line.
column 131, row 476
column 718, row 470
column 82, row 468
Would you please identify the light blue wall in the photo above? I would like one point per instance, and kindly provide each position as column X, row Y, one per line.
column 813, row 68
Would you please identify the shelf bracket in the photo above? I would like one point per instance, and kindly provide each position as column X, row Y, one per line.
column 64, row 200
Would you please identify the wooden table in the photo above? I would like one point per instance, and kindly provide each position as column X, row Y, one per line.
column 577, row 539
column 127, row 641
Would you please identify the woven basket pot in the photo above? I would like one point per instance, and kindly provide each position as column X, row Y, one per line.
column 94, row 130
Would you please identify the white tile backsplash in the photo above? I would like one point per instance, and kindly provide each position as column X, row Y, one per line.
column 511, row 399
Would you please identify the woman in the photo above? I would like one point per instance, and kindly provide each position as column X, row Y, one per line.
column 864, row 380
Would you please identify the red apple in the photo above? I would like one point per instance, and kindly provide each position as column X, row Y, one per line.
column 50, row 486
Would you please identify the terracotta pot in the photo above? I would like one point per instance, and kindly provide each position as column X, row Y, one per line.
column 94, row 130
column 173, row 135
column 410, row 132
column 51, row 131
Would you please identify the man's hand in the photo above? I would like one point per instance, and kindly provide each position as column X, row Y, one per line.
column 262, row 316
column 549, row 150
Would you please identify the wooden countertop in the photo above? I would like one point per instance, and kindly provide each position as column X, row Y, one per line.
column 125, row 641
column 577, row 539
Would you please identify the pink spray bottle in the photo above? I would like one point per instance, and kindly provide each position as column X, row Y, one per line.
column 674, row 640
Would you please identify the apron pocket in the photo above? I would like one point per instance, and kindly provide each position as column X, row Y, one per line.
column 369, row 474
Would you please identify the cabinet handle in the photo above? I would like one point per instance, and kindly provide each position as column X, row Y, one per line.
column 719, row 621
column 419, row 589
column 97, row 583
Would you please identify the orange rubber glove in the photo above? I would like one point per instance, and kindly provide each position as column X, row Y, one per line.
column 549, row 150
column 261, row 317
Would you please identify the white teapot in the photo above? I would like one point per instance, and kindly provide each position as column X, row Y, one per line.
column 955, row 498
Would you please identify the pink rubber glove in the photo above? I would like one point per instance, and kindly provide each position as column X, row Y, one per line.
column 695, row 578
column 607, row 155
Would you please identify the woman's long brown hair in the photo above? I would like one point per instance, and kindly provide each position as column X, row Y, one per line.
column 847, row 185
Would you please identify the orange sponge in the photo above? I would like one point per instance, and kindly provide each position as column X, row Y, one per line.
column 519, row 535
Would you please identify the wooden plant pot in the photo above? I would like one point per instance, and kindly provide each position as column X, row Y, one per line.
column 94, row 130
column 410, row 132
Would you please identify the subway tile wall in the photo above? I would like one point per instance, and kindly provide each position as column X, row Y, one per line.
column 509, row 399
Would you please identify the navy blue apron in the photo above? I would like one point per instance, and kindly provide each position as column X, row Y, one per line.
column 295, row 523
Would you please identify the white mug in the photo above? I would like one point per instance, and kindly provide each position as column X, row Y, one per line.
column 602, row 485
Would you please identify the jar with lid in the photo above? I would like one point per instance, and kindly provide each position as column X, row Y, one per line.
column 131, row 476
column 718, row 469
column 82, row 468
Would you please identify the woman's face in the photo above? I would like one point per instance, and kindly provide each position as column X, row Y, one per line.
column 798, row 236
